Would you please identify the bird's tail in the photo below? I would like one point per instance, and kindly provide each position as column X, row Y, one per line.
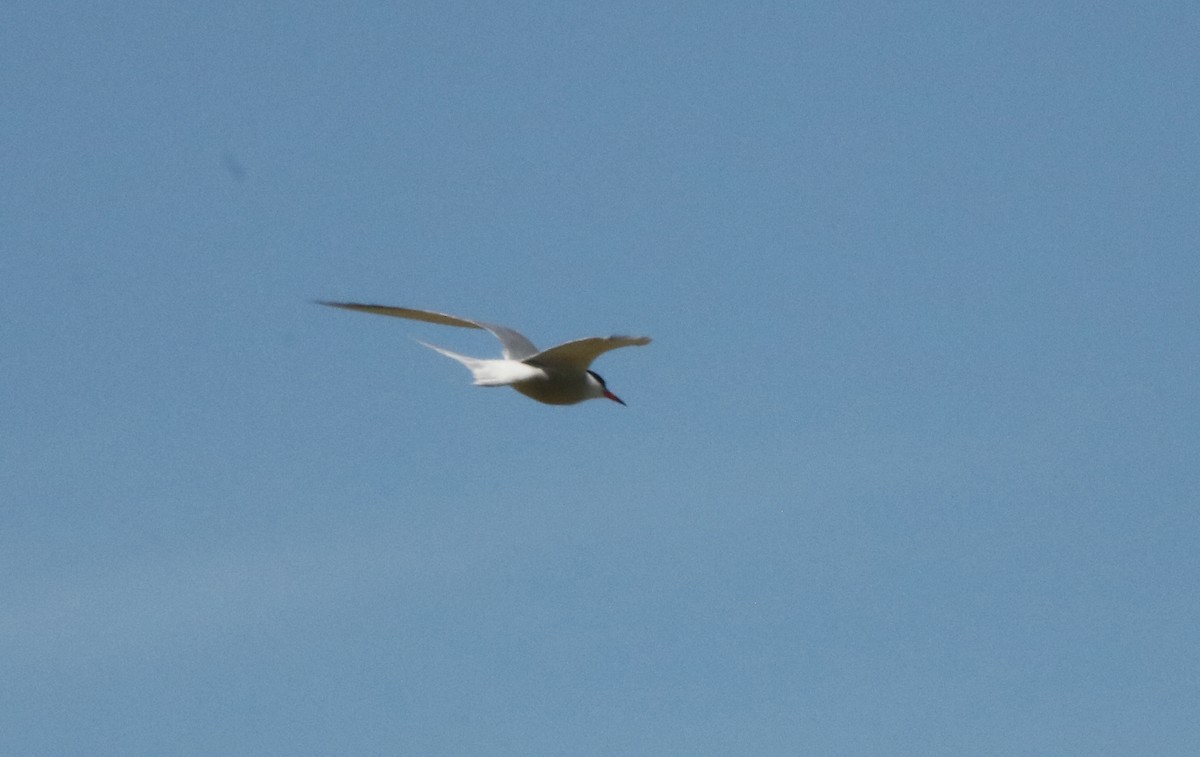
column 485, row 372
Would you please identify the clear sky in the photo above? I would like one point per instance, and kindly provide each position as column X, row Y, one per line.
column 911, row 467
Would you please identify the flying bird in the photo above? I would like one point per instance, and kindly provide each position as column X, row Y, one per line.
column 560, row 375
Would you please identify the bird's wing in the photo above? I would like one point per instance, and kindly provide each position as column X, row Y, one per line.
column 580, row 353
column 516, row 346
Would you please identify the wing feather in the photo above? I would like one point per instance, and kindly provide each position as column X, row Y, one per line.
column 580, row 353
column 516, row 346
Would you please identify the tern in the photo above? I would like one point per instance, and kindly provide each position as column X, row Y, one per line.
column 558, row 376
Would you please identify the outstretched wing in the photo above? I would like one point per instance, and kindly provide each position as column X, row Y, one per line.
column 580, row 353
column 516, row 346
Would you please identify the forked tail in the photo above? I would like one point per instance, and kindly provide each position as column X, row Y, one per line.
column 485, row 372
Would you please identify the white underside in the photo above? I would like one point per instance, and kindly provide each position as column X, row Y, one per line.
column 552, row 388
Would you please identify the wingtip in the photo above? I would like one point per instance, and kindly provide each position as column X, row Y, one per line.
column 356, row 306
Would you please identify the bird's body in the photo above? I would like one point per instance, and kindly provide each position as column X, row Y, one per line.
column 556, row 376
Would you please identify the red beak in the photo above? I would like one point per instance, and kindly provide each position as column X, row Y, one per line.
column 613, row 397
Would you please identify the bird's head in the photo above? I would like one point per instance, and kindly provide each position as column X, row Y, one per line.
column 601, row 388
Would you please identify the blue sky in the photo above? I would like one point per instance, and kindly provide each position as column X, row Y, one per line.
column 910, row 467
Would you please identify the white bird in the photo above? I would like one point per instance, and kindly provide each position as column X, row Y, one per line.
column 557, row 376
